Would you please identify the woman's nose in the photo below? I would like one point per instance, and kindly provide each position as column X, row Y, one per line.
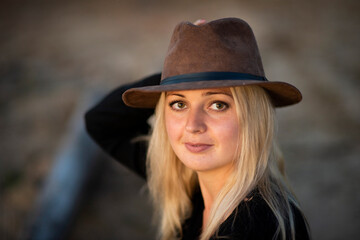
column 196, row 121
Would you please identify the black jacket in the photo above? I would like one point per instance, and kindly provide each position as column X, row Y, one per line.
column 113, row 125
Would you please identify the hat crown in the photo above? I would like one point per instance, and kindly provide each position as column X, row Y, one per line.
column 224, row 45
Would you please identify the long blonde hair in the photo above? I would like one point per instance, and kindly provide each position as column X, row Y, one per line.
column 259, row 164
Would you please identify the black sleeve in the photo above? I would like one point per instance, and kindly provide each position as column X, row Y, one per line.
column 302, row 229
column 265, row 223
column 112, row 125
column 254, row 219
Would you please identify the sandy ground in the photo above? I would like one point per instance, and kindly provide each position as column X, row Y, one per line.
column 53, row 53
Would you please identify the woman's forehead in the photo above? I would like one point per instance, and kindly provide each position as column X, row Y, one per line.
column 207, row 91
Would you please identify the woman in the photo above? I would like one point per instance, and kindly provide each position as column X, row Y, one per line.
column 212, row 165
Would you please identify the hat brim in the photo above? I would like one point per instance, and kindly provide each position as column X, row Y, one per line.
column 281, row 93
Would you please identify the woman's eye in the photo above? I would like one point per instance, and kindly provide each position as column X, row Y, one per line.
column 177, row 105
column 219, row 106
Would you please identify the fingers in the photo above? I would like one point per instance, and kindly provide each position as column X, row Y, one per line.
column 199, row 22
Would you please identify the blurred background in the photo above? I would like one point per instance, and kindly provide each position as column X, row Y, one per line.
column 58, row 57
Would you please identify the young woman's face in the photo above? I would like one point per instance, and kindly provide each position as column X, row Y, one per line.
column 203, row 128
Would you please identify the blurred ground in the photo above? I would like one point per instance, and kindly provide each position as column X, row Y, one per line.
column 53, row 52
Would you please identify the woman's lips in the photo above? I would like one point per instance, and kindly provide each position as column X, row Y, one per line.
column 197, row 147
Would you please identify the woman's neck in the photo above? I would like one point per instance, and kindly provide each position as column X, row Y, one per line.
column 210, row 185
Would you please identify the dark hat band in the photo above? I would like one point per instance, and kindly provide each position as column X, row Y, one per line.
column 210, row 76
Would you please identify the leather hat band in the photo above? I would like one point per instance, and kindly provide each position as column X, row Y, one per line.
column 210, row 76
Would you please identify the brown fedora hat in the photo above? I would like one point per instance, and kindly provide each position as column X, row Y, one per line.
column 220, row 53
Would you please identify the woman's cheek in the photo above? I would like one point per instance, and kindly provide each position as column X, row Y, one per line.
column 172, row 128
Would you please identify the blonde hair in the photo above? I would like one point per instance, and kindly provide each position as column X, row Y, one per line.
column 259, row 164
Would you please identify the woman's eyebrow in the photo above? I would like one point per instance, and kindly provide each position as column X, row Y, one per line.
column 175, row 94
column 217, row 92
column 209, row 93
